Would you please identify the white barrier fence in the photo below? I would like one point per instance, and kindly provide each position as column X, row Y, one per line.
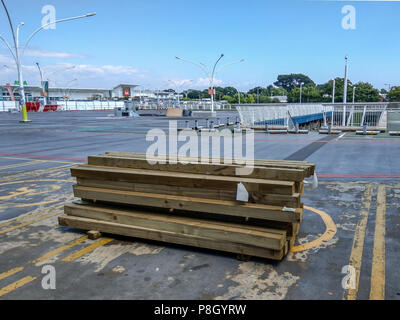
column 281, row 114
column 6, row 106
column 358, row 114
column 88, row 105
column 337, row 115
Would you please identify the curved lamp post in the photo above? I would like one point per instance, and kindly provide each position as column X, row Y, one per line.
column 178, row 85
column 210, row 74
column 18, row 54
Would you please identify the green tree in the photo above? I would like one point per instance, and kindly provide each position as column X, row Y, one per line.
column 394, row 94
column 293, row 80
column 250, row 99
column 273, row 91
column 365, row 92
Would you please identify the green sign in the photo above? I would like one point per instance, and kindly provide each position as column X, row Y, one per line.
column 16, row 83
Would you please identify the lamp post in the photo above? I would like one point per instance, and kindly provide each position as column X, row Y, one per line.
column 42, row 84
column 354, row 94
column 346, row 69
column 18, row 55
column 66, row 87
column 178, row 85
column 333, row 90
column 211, row 74
column 301, row 90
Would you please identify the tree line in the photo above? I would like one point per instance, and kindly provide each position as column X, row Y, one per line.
column 289, row 85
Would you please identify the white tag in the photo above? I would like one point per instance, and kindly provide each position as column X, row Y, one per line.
column 242, row 194
column 314, row 184
column 286, row 209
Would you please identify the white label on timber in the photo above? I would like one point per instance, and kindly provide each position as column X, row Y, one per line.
column 242, row 194
column 314, row 184
column 286, row 209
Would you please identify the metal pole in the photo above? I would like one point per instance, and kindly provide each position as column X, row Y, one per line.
column 354, row 94
column 333, row 90
column 41, row 80
column 345, row 91
column 301, row 91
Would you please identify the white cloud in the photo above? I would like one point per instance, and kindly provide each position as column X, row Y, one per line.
column 38, row 53
column 204, row 82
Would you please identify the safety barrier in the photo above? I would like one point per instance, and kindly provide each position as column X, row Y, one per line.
column 338, row 115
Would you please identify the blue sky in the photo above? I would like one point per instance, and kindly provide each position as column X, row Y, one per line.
column 132, row 41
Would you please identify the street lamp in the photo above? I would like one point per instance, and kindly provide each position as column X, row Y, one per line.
column 333, row 90
column 17, row 55
column 210, row 74
column 301, row 90
column 346, row 69
column 178, row 85
column 66, row 87
column 42, row 82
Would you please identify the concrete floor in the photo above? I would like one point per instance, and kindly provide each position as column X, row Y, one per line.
column 353, row 218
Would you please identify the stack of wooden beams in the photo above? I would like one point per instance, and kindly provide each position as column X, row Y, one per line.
column 192, row 204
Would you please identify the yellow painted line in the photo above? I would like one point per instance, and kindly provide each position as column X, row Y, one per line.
column 35, row 172
column 28, row 216
column 29, row 222
column 86, row 250
column 358, row 241
column 60, row 249
column 329, row 233
column 16, row 165
column 26, row 191
column 378, row 272
column 15, row 285
column 10, row 272
column 39, row 160
column 44, row 257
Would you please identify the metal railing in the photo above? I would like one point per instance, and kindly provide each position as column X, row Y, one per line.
column 334, row 114
column 373, row 114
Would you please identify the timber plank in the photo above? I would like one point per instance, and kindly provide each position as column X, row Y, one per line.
column 170, row 237
column 291, row 201
column 283, row 174
column 263, row 237
column 307, row 166
column 251, row 210
column 183, row 179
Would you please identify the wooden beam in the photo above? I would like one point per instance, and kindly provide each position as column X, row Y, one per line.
column 170, row 237
column 291, row 201
column 307, row 166
column 283, row 174
column 183, row 179
column 234, row 208
column 251, row 235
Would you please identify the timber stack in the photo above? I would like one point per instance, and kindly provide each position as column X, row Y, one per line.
column 194, row 204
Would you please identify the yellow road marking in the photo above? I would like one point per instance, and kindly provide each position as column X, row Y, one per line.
column 358, row 241
column 377, row 291
column 10, row 272
column 60, row 249
column 28, row 216
column 36, row 171
column 15, row 285
column 16, row 165
column 40, row 160
column 25, row 190
column 328, row 234
column 30, row 222
column 86, row 250
column 44, row 257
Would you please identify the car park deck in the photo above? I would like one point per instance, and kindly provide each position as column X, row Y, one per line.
column 353, row 218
